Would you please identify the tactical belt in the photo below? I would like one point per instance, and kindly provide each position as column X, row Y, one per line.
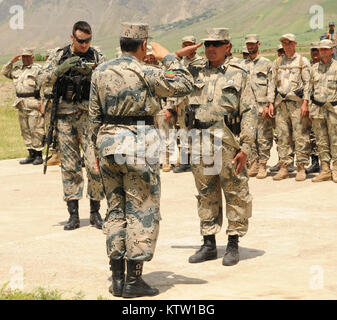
column 321, row 104
column 203, row 125
column 128, row 120
column 35, row 94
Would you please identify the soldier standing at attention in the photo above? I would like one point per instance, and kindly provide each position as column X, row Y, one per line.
column 323, row 109
column 72, row 121
column 27, row 101
column 289, row 92
column 222, row 107
column 124, row 99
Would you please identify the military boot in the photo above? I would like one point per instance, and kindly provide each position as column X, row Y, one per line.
column 206, row 252
column 283, row 173
column 262, row 173
column 314, row 165
column 231, row 256
column 301, row 175
column 182, row 168
column 38, row 158
column 30, row 158
column 74, row 220
column 95, row 217
column 291, row 167
column 253, row 168
column 54, row 159
column 134, row 285
column 275, row 168
column 166, row 165
column 334, row 172
column 325, row 174
column 117, row 266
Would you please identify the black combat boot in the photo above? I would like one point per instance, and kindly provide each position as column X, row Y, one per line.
column 206, row 252
column 275, row 168
column 231, row 256
column 74, row 220
column 117, row 266
column 30, row 158
column 182, row 168
column 38, row 158
column 314, row 165
column 95, row 217
column 134, row 285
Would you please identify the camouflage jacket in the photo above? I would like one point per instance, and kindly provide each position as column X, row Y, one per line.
column 226, row 91
column 48, row 78
column 231, row 59
column 25, row 81
column 291, row 79
column 323, row 87
column 260, row 71
column 125, row 87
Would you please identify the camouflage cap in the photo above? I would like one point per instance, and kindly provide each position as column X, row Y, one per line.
column 288, row 36
column 217, row 34
column 245, row 50
column 331, row 23
column 27, row 52
column 326, row 44
column 135, row 30
column 189, row 39
column 280, row 47
column 314, row 45
column 252, row 38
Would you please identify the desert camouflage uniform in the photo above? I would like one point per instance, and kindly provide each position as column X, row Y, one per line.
column 125, row 87
column 324, row 90
column 290, row 126
column 25, row 79
column 72, row 134
column 220, row 92
column 260, row 78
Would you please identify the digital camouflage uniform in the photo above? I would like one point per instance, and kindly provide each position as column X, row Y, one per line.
column 72, row 134
column 25, row 79
column 124, row 87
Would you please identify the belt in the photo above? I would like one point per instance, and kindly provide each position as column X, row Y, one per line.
column 203, row 125
column 321, row 104
column 128, row 120
column 28, row 95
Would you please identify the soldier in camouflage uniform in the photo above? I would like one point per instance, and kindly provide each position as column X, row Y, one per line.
column 290, row 79
column 245, row 53
column 223, row 125
column 72, row 121
column 124, row 99
column 323, row 109
column 260, row 78
column 25, row 79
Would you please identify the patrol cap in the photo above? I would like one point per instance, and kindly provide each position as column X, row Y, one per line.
column 280, row 47
column 245, row 50
column 314, row 45
column 189, row 39
column 135, row 31
column 325, row 44
column 331, row 23
column 288, row 36
column 252, row 38
column 217, row 34
column 27, row 52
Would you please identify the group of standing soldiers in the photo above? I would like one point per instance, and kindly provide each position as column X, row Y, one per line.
column 109, row 111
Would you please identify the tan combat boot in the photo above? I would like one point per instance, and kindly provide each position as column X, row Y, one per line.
column 283, row 173
column 325, row 174
column 54, row 160
column 334, row 172
column 262, row 170
column 301, row 175
column 253, row 168
column 166, row 167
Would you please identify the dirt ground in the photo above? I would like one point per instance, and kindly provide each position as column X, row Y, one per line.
column 289, row 251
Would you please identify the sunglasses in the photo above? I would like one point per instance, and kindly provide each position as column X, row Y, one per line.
column 82, row 40
column 215, row 43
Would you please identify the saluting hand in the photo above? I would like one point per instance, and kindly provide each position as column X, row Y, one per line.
column 16, row 58
column 183, row 52
column 159, row 51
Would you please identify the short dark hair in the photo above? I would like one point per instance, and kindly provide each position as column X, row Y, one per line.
column 83, row 26
column 130, row 45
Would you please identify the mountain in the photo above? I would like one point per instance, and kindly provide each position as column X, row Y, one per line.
column 48, row 23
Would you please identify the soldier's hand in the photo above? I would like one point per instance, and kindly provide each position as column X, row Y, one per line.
column 97, row 165
column 271, row 110
column 265, row 114
column 304, row 109
column 158, row 51
column 16, row 58
column 66, row 65
column 240, row 160
column 183, row 52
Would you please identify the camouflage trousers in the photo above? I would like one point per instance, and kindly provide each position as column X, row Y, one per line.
column 236, row 192
column 131, row 224
column 326, row 135
column 292, row 132
column 263, row 140
column 32, row 129
column 313, row 143
column 72, row 133
column 184, row 146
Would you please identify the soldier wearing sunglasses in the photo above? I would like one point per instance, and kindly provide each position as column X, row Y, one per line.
column 72, row 67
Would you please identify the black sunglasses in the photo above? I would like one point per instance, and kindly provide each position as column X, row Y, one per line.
column 82, row 40
column 215, row 43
